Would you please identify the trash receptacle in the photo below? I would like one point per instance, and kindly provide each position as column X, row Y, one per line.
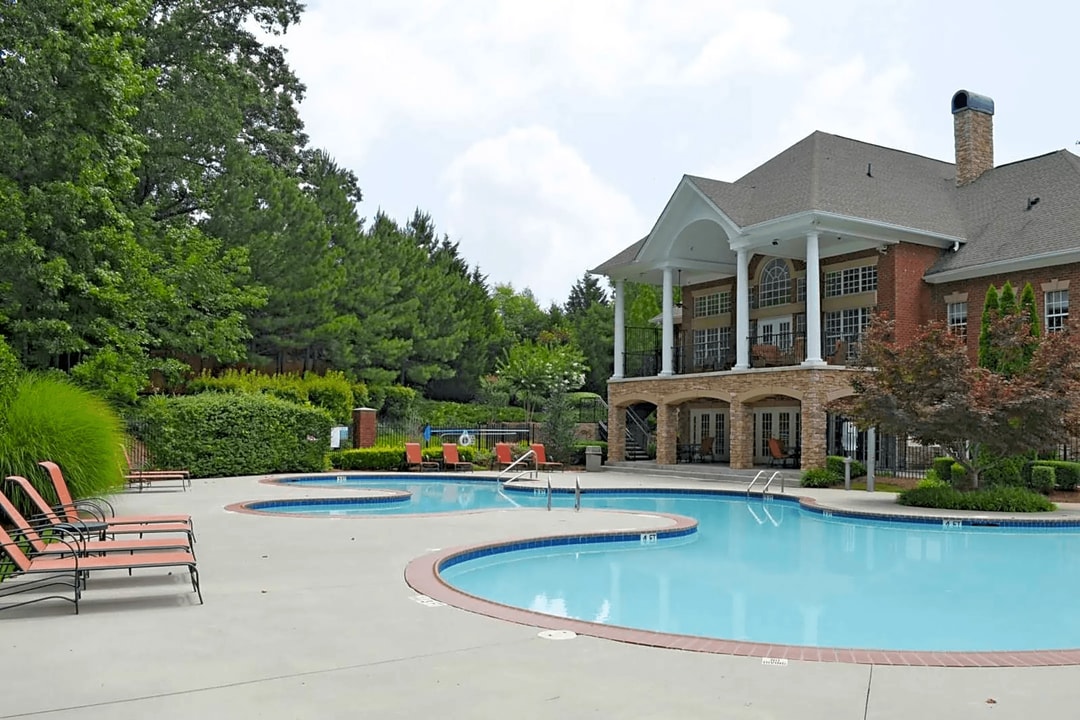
column 592, row 458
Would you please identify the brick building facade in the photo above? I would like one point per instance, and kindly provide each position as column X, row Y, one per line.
column 781, row 270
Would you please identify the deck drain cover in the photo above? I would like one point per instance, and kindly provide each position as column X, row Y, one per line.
column 558, row 634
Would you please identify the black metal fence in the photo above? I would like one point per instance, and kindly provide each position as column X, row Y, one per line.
column 482, row 436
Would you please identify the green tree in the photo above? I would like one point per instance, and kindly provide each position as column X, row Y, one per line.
column 585, row 293
column 533, row 371
column 520, row 313
column 925, row 388
column 1007, row 300
column 1030, row 311
column 73, row 279
column 991, row 308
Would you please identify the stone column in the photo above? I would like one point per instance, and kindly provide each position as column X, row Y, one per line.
column 814, row 424
column 666, row 429
column 668, row 339
column 616, row 434
column 742, row 311
column 742, row 436
column 813, row 301
column 620, row 331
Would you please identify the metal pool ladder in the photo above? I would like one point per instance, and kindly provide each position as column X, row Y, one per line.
column 768, row 482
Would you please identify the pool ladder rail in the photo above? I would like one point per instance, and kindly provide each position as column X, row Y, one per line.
column 768, row 482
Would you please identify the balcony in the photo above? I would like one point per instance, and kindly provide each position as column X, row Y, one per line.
column 767, row 350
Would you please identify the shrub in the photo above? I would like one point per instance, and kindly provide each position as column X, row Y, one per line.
column 943, row 467
column 958, row 475
column 835, row 465
column 332, row 392
column 49, row 418
column 1066, row 474
column 1002, row 471
column 397, row 402
column 390, row 457
column 931, row 480
column 995, row 499
column 820, row 478
column 1042, row 479
column 216, row 435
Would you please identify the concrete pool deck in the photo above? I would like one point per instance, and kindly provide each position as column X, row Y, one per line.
column 311, row 618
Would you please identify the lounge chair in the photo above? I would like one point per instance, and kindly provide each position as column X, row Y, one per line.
column 78, row 566
column 414, row 459
column 450, row 458
column 541, row 460
column 102, row 508
column 81, row 541
column 705, row 449
column 504, row 458
column 138, row 475
column 781, row 454
column 128, row 525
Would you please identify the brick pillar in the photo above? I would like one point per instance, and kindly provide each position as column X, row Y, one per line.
column 616, row 434
column 814, row 426
column 742, row 436
column 363, row 427
column 667, row 425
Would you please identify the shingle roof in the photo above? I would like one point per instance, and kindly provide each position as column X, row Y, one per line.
column 835, row 174
column 1000, row 226
column 829, row 173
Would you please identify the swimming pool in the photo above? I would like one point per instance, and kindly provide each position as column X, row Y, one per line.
column 774, row 572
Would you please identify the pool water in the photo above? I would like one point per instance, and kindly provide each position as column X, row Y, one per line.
column 771, row 572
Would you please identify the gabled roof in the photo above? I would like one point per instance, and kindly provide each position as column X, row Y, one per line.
column 834, row 174
column 625, row 257
column 1000, row 226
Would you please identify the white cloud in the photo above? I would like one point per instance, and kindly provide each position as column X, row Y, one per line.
column 851, row 100
column 374, row 64
column 525, row 205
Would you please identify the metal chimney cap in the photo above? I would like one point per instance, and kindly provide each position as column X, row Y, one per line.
column 965, row 100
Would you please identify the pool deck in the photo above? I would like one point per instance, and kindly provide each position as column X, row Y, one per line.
column 312, row 618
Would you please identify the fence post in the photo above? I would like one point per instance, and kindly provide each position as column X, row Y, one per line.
column 364, row 427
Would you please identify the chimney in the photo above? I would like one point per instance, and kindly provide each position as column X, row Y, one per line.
column 973, row 131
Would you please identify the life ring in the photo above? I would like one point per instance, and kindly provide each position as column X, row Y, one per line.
column 465, row 440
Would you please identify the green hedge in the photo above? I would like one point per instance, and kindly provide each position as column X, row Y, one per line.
column 222, row 435
column 1042, row 479
column 943, row 467
column 995, row 499
column 389, row 458
column 332, row 392
column 1066, row 474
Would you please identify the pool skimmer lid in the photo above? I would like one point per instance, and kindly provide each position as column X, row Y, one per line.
column 557, row 634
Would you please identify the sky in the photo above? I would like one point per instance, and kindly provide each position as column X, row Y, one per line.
column 544, row 137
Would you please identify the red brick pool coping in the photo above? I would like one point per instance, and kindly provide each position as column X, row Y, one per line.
column 422, row 574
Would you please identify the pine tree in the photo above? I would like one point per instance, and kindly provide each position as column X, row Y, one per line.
column 991, row 310
column 1031, row 314
column 1007, row 300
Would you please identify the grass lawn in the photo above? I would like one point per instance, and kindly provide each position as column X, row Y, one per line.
column 879, row 486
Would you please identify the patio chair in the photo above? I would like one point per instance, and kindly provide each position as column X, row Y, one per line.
column 80, row 541
column 129, row 525
column 504, row 457
column 138, row 475
column 781, row 454
column 414, row 459
column 77, row 567
column 541, row 460
column 705, row 450
column 451, row 460
column 99, row 507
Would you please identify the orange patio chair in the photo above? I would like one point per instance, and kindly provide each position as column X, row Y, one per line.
column 129, row 525
column 99, row 506
column 81, row 543
column 138, row 475
column 779, row 453
column 541, row 459
column 414, row 458
column 504, row 457
column 450, row 458
column 77, row 567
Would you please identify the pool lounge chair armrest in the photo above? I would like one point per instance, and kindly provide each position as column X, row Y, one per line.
column 103, row 506
column 22, row 546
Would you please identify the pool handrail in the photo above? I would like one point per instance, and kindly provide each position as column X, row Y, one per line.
column 510, row 467
column 769, row 482
column 752, row 482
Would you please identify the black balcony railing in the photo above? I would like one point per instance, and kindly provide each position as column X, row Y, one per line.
column 773, row 349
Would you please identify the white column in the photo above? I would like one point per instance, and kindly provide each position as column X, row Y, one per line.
column 813, row 301
column 620, row 331
column 668, row 338
column 742, row 311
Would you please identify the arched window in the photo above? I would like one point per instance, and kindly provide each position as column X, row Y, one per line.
column 775, row 285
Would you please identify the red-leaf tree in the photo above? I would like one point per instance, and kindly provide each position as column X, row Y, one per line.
column 926, row 388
